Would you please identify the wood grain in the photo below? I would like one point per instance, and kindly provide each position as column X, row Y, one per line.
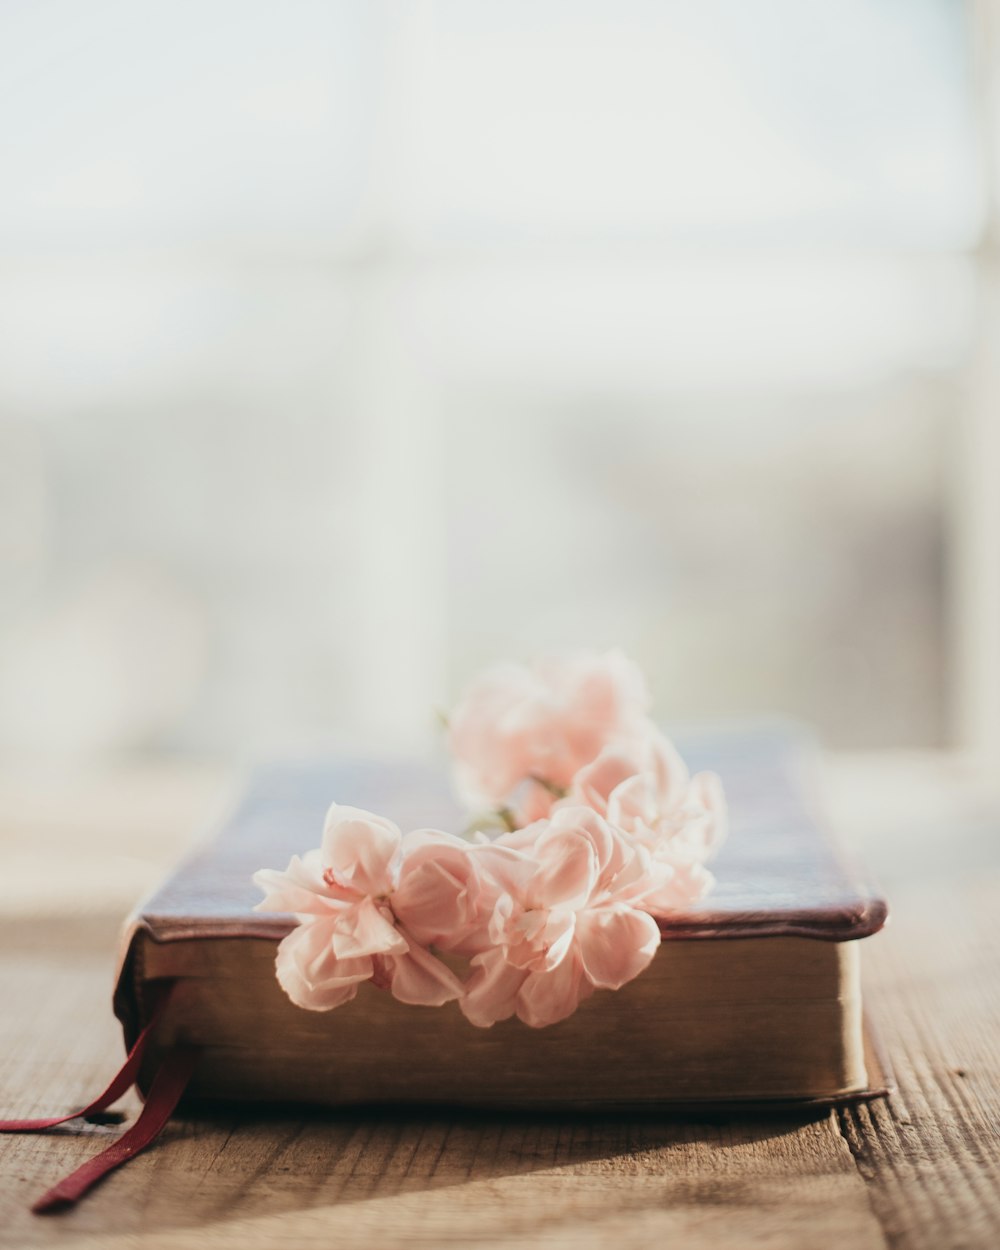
column 931, row 1154
column 918, row 1171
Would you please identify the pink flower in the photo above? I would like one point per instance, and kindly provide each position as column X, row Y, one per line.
column 347, row 931
column 653, row 755
column 536, row 727
column 568, row 920
column 448, row 889
column 645, row 790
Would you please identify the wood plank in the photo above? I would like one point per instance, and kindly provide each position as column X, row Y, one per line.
column 931, row 1153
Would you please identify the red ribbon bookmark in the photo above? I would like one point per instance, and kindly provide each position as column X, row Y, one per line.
column 165, row 1092
column 168, row 1085
column 121, row 1083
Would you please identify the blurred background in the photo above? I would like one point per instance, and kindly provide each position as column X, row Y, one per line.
column 345, row 347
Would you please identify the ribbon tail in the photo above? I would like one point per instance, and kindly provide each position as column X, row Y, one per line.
column 166, row 1091
column 121, row 1082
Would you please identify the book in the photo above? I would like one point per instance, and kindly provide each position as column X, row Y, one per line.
column 754, row 996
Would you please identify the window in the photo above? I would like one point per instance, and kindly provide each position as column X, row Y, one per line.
column 351, row 345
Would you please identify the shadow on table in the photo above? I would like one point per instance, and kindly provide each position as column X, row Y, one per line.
column 216, row 1165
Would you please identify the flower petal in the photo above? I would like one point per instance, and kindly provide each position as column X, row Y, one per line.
column 547, row 721
column 706, row 791
column 633, row 805
column 492, row 754
column 311, row 975
column 439, row 895
column 567, row 866
column 417, row 977
column 366, row 929
column 548, row 997
column 533, row 940
column 594, row 783
column 615, row 944
column 491, row 990
column 669, row 770
column 685, row 885
column 300, row 889
column 361, row 849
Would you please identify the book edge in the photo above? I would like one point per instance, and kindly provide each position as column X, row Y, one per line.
column 131, row 1010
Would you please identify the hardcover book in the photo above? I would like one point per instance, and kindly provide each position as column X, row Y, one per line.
column 754, row 996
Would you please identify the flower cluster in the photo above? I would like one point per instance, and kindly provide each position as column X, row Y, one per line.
column 605, row 830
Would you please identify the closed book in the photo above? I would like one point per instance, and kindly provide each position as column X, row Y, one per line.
column 754, row 995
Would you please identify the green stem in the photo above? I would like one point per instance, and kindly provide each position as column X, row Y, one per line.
column 503, row 817
column 557, row 792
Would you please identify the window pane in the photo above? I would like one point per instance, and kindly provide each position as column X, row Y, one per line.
column 773, row 119
column 175, row 119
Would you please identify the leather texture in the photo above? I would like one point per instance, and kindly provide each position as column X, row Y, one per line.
column 779, row 873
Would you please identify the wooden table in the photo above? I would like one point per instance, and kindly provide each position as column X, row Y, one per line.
column 919, row 1170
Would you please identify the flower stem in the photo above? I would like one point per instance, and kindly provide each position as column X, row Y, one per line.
column 557, row 792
